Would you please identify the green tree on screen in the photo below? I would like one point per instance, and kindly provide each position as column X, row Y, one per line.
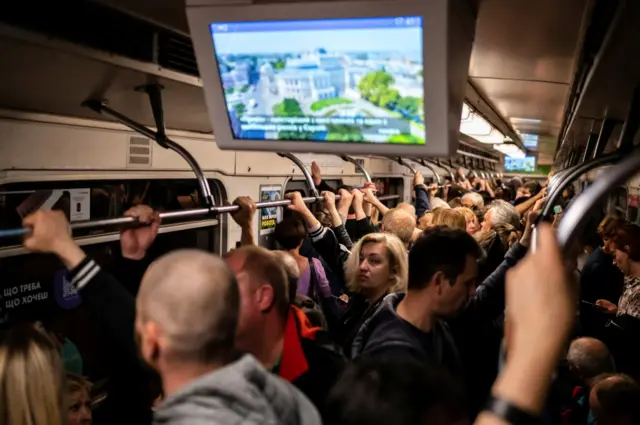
column 375, row 85
column 239, row 109
column 291, row 108
column 288, row 108
column 410, row 105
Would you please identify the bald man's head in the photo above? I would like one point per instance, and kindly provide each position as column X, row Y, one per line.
column 615, row 400
column 293, row 271
column 590, row 357
column 187, row 307
column 405, row 206
column 400, row 223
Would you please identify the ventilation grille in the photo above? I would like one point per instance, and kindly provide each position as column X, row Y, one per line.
column 105, row 29
column 139, row 152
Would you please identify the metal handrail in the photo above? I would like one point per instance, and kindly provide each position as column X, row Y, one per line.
column 572, row 174
column 305, row 172
column 576, row 217
column 428, row 166
column 162, row 140
column 358, row 166
column 407, row 165
column 169, row 215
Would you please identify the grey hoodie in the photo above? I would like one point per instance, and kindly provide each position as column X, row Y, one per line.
column 242, row 392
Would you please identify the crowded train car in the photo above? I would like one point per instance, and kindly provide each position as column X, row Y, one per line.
column 341, row 212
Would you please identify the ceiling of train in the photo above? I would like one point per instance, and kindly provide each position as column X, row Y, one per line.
column 525, row 57
column 522, row 63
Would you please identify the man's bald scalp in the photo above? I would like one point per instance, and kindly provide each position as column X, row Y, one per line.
column 591, row 357
column 193, row 297
column 400, row 223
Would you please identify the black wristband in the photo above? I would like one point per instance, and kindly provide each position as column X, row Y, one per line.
column 506, row 411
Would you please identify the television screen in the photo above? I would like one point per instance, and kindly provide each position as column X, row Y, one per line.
column 332, row 80
column 530, row 141
column 522, row 165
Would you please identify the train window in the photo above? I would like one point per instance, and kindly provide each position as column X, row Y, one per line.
column 34, row 287
column 94, row 199
column 390, row 186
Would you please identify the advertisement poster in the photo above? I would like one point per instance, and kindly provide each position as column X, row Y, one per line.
column 269, row 216
column 76, row 203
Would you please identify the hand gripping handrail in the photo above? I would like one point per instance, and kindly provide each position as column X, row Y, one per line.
column 576, row 217
column 171, row 215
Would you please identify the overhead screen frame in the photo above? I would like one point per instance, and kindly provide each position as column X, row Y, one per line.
column 446, row 44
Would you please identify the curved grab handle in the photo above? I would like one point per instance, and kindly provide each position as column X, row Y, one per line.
column 305, row 172
column 406, row 164
column 162, row 140
column 439, row 164
column 576, row 217
column 570, row 176
column 359, row 166
column 428, row 166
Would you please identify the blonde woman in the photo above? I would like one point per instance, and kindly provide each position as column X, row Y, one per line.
column 78, row 400
column 31, row 379
column 377, row 266
column 450, row 218
column 473, row 225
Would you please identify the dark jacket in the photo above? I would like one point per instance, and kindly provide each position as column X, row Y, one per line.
column 331, row 251
column 113, row 308
column 600, row 278
column 387, row 335
column 459, row 344
column 310, row 360
column 358, row 311
column 422, row 201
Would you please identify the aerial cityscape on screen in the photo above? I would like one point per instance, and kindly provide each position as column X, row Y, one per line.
column 523, row 165
column 339, row 80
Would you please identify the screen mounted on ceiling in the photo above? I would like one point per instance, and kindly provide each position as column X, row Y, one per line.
column 331, row 80
column 520, row 165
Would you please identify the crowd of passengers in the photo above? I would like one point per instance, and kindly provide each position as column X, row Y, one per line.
column 433, row 312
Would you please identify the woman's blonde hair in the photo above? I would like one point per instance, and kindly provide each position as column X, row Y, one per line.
column 467, row 212
column 77, row 383
column 396, row 253
column 31, row 379
column 450, row 218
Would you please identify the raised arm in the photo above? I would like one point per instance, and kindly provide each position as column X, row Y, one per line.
column 534, row 341
column 324, row 240
column 244, row 218
column 336, row 221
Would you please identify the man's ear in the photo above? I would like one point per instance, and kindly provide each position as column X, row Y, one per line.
column 265, row 298
column 150, row 342
column 438, row 281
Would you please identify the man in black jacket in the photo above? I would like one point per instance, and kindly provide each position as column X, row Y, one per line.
column 443, row 318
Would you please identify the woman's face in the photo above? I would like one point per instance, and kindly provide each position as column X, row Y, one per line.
column 375, row 270
column 79, row 408
column 472, row 225
column 622, row 261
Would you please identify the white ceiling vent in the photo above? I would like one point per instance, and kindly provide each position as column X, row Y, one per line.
column 139, row 152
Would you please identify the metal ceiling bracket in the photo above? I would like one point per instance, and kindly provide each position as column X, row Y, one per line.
column 159, row 136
